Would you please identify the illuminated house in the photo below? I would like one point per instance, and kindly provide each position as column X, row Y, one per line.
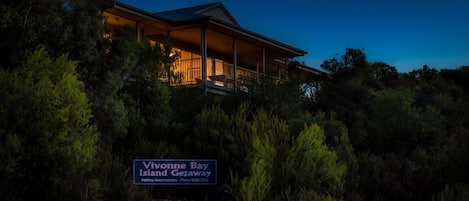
column 214, row 50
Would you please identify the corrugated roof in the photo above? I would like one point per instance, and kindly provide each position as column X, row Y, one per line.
column 185, row 14
column 199, row 12
column 213, row 13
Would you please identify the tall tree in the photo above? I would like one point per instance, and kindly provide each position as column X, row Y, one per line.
column 311, row 166
column 48, row 145
column 348, row 91
column 396, row 125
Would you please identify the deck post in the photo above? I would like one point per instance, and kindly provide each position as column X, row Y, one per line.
column 257, row 70
column 263, row 61
column 235, row 64
column 263, row 69
column 287, row 76
column 138, row 31
column 203, row 51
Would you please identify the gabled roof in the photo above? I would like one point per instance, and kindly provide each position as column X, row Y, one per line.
column 212, row 10
column 214, row 15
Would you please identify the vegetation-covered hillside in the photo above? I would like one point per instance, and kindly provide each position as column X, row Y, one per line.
column 77, row 107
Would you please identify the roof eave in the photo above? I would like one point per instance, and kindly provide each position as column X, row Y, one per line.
column 219, row 4
column 138, row 12
column 312, row 70
column 293, row 50
column 200, row 20
column 237, row 29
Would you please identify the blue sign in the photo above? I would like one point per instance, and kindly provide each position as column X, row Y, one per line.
column 175, row 172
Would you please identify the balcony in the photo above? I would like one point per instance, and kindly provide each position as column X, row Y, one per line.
column 188, row 72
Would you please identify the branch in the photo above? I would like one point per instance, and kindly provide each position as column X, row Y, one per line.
column 28, row 11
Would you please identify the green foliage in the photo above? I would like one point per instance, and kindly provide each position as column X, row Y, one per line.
column 49, row 143
column 344, row 98
column 427, row 174
column 27, row 24
column 295, row 167
column 395, row 125
column 154, row 106
column 108, row 104
column 133, row 109
column 269, row 128
column 283, row 99
column 116, row 182
column 353, row 81
column 73, row 27
column 453, row 110
column 351, row 60
column 311, row 165
column 459, row 77
column 337, row 137
column 298, row 123
column 408, row 130
column 257, row 185
column 212, row 134
column 240, row 121
column 85, row 41
column 161, row 149
column 346, row 154
column 248, row 125
column 456, row 154
column 458, row 192
column 303, row 194
column 383, row 74
column 394, row 178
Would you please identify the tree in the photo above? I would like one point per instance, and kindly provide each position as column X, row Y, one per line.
column 256, row 186
column 48, row 144
column 459, row 76
column 132, row 107
column 27, row 24
column 277, row 167
column 396, row 125
column 73, row 26
column 311, row 166
column 352, row 60
column 386, row 177
column 349, row 90
column 213, row 139
column 458, row 192
column 384, row 74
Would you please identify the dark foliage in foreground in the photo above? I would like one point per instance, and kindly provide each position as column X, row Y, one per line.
column 77, row 107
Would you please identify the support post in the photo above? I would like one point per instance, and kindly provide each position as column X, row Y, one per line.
column 203, row 53
column 138, row 32
column 263, row 68
column 263, row 61
column 287, row 76
column 235, row 64
column 257, row 70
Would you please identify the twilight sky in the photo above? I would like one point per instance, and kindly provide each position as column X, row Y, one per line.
column 403, row 33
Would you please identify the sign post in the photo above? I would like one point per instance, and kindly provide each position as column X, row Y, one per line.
column 175, row 172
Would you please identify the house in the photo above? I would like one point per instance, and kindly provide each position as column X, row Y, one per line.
column 214, row 51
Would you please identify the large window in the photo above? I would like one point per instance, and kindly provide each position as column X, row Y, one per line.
column 187, row 70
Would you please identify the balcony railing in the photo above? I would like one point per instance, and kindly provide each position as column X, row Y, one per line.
column 186, row 72
column 219, row 75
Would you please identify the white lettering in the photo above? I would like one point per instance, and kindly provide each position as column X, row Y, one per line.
column 177, row 173
column 199, row 166
column 153, row 165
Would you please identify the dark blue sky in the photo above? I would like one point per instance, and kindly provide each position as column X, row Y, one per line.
column 402, row 33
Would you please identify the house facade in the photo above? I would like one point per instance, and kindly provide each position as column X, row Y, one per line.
column 214, row 51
